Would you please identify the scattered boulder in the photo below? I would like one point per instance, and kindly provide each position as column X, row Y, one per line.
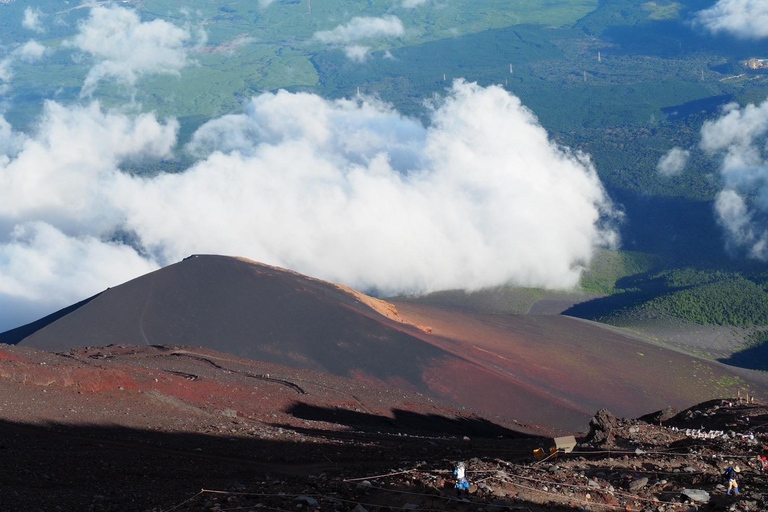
column 484, row 487
column 695, row 495
column 636, row 485
column 601, row 428
column 307, row 500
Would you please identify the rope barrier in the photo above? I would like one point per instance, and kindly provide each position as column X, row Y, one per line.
column 499, row 474
column 378, row 476
column 260, row 494
column 332, row 498
column 586, row 488
column 553, row 454
column 582, row 501
column 260, row 508
column 183, row 502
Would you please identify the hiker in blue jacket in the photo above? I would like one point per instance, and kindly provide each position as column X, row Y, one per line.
column 461, row 478
column 730, row 475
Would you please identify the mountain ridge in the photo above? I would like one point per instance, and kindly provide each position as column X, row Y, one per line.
column 550, row 370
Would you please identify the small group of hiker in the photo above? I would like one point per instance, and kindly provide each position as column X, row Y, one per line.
column 730, row 474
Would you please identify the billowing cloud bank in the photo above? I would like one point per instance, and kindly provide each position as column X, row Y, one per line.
column 745, row 19
column 739, row 138
column 344, row 190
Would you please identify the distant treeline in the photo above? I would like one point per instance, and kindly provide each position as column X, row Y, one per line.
column 707, row 297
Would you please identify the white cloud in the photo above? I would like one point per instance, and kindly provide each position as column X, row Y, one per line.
column 734, row 216
column 59, row 174
column 10, row 141
column 265, row 3
column 41, row 265
column 344, row 190
column 410, row 4
column 31, row 51
column 745, row 19
column 738, row 137
column 357, row 53
column 673, row 162
column 32, row 21
column 124, row 48
column 55, row 206
column 6, row 72
column 362, row 28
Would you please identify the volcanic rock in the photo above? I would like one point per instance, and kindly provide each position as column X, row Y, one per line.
column 636, row 485
column 659, row 416
column 601, row 428
column 696, row 495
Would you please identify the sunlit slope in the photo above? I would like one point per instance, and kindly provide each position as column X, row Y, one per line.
column 576, row 362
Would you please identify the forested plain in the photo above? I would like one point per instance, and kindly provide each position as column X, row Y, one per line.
column 623, row 81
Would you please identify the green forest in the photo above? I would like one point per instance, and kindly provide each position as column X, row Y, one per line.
column 705, row 297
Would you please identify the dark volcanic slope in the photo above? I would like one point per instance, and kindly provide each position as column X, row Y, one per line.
column 274, row 315
column 247, row 309
column 548, row 370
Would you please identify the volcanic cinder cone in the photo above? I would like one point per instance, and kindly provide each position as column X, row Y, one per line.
column 550, row 370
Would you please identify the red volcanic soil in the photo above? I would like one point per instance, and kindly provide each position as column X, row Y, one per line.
column 564, row 363
column 130, row 427
column 155, row 429
column 553, row 371
column 184, row 389
column 569, row 364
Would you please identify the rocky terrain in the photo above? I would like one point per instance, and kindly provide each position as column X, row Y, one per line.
column 176, row 428
column 627, row 465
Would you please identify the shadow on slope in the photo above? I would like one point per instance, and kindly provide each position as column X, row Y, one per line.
column 635, row 291
column 108, row 468
column 698, row 296
column 682, row 231
column 752, row 358
column 405, row 421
